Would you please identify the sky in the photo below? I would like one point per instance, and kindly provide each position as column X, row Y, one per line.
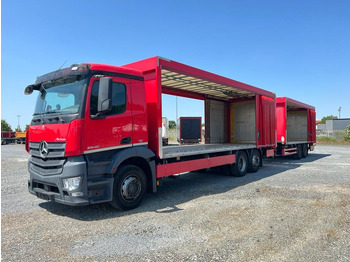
column 298, row 49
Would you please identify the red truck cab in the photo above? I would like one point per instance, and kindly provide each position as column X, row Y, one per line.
column 84, row 114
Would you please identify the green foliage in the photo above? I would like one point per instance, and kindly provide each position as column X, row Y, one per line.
column 27, row 127
column 347, row 133
column 5, row 126
column 18, row 130
column 323, row 120
column 172, row 124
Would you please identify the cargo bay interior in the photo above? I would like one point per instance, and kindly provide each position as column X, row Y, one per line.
column 230, row 114
column 296, row 124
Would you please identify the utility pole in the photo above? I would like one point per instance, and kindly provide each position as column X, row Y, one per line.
column 176, row 118
column 18, row 126
column 339, row 109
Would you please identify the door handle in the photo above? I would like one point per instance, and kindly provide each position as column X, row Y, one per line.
column 125, row 140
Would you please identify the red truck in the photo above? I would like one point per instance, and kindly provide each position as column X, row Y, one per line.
column 96, row 132
column 295, row 126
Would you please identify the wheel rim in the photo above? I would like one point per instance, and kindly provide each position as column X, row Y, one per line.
column 242, row 164
column 131, row 188
column 255, row 160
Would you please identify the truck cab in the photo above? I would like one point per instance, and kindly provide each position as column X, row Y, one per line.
column 86, row 117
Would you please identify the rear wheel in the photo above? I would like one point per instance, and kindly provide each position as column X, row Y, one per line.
column 299, row 153
column 129, row 187
column 305, row 150
column 254, row 162
column 241, row 166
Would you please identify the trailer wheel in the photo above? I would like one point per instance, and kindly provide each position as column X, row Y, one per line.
column 241, row 166
column 129, row 187
column 254, row 162
column 305, row 150
column 299, row 153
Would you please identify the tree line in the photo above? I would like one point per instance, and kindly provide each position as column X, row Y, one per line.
column 5, row 127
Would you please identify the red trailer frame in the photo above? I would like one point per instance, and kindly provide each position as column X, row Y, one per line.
column 164, row 76
column 285, row 140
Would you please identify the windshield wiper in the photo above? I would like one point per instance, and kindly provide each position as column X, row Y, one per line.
column 52, row 112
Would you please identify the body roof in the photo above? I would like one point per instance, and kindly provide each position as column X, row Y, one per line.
column 294, row 103
column 184, row 74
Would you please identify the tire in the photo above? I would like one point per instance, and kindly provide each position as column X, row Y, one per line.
column 299, row 153
column 240, row 168
column 254, row 161
column 305, row 150
column 130, row 186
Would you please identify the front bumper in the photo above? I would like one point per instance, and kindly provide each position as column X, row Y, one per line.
column 50, row 186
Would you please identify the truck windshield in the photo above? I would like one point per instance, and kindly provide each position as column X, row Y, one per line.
column 60, row 96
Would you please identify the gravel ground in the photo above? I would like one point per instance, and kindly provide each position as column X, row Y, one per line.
column 291, row 210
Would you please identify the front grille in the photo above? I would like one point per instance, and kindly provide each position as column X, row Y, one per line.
column 50, row 165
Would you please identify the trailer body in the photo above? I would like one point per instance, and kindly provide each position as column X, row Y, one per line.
column 295, row 126
column 103, row 141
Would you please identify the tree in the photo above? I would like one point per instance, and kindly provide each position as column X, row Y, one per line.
column 172, row 124
column 18, row 129
column 5, row 126
column 347, row 133
column 27, row 127
column 323, row 120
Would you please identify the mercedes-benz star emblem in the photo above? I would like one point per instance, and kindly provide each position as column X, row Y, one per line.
column 43, row 149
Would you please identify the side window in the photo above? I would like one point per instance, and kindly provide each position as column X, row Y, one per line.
column 118, row 99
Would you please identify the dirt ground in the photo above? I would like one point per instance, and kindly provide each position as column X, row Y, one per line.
column 290, row 210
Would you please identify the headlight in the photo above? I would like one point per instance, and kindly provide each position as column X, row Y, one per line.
column 71, row 183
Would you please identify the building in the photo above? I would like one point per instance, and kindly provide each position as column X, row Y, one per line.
column 334, row 124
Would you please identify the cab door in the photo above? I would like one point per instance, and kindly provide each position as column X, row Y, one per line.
column 113, row 130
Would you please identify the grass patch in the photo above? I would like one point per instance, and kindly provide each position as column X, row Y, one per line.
column 331, row 141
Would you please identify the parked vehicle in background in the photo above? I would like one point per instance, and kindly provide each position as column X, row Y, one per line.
column 296, row 127
column 189, row 130
column 165, row 131
column 10, row 137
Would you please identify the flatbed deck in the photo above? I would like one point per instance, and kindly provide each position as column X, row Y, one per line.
column 188, row 150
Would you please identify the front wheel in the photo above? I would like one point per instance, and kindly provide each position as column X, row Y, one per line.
column 129, row 187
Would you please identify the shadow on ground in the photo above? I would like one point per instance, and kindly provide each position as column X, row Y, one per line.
column 182, row 189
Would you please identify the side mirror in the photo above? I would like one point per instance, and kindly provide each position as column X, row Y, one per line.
column 104, row 103
column 28, row 90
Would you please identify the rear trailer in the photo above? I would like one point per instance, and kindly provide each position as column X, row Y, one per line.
column 295, row 126
column 239, row 119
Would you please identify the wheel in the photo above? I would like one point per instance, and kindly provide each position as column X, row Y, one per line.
column 129, row 188
column 254, row 162
column 241, row 166
column 299, row 153
column 305, row 150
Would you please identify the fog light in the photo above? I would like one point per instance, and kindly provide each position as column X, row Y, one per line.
column 77, row 194
column 71, row 183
